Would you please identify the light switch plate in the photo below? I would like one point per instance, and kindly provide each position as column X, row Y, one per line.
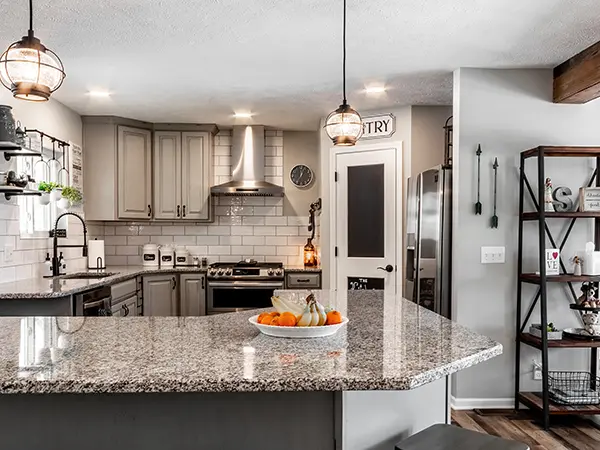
column 493, row 255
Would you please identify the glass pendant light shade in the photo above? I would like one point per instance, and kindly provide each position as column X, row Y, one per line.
column 344, row 126
column 30, row 70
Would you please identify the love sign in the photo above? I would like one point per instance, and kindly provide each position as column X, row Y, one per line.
column 552, row 261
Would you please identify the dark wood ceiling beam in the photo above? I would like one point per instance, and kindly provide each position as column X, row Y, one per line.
column 577, row 80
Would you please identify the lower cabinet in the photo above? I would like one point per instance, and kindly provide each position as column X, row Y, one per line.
column 160, row 295
column 192, row 295
column 126, row 308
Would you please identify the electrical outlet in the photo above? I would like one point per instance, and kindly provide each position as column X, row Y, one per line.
column 9, row 251
column 493, row 255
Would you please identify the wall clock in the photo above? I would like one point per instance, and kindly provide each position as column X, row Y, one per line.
column 301, row 175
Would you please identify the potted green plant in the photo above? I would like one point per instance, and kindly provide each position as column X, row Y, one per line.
column 46, row 187
column 70, row 196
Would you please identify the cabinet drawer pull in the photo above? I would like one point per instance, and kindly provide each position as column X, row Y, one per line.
column 303, row 280
column 149, row 211
column 125, row 309
column 183, row 210
column 178, row 211
column 174, row 283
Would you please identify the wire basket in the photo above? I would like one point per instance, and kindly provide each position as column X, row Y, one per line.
column 574, row 388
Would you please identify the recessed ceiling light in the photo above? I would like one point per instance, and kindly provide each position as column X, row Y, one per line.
column 375, row 89
column 98, row 94
column 242, row 115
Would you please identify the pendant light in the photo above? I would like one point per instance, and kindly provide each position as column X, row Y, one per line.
column 344, row 125
column 29, row 69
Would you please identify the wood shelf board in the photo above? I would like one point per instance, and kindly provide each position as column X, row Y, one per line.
column 536, row 342
column 565, row 152
column 534, row 400
column 565, row 278
column 563, row 215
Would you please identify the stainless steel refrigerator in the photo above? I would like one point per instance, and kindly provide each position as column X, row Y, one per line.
column 428, row 240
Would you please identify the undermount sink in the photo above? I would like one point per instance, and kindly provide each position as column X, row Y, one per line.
column 87, row 275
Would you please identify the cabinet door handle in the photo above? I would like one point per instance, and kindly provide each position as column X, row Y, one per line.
column 183, row 210
column 149, row 211
column 174, row 283
column 178, row 211
column 303, row 280
column 125, row 309
column 202, row 282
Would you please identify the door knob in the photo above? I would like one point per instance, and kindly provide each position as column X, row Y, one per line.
column 389, row 268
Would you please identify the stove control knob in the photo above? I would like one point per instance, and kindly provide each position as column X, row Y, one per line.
column 278, row 272
column 220, row 272
column 270, row 272
column 212, row 271
column 228, row 271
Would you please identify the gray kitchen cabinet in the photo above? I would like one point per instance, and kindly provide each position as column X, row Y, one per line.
column 167, row 175
column 192, row 294
column 134, row 168
column 126, row 308
column 182, row 175
column 160, row 295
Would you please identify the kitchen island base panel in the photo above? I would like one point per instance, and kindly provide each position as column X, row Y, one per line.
column 261, row 420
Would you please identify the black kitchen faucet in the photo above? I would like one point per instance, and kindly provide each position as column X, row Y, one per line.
column 55, row 246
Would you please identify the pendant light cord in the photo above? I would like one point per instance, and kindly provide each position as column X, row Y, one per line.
column 31, row 17
column 344, row 53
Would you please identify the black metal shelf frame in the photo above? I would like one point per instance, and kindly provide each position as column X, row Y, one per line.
column 541, row 295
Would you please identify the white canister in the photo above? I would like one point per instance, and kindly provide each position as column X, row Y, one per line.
column 182, row 256
column 150, row 255
column 167, row 256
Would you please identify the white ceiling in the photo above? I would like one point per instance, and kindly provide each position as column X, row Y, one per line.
column 201, row 60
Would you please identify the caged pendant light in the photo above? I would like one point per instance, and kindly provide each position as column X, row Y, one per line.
column 29, row 69
column 344, row 125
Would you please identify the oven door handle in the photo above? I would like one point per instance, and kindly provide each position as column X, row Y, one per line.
column 94, row 304
column 243, row 284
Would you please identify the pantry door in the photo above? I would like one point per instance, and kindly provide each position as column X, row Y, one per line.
column 368, row 216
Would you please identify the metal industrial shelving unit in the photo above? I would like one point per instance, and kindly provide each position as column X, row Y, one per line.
column 540, row 401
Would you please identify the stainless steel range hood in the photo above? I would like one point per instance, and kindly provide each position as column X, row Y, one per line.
column 248, row 165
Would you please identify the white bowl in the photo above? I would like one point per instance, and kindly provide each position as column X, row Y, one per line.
column 298, row 332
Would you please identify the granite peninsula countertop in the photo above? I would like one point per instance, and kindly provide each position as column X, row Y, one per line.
column 389, row 344
column 41, row 288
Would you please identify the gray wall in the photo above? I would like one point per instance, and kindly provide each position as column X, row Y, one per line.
column 427, row 136
column 509, row 111
column 300, row 147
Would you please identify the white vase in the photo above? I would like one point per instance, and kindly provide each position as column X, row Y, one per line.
column 44, row 199
column 55, row 195
column 63, row 203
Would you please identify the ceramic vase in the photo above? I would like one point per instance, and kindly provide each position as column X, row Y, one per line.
column 44, row 199
column 55, row 195
column 63, row 203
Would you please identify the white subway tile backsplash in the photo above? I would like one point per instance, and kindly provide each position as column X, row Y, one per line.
column 144, row 230
column 265, row 210
column 224, row 161
column 253, row 240
column 276, row 240
column 218, row 230
column 287, row 231
column 266, row 250
column 184, row 240
column 229, row 201
column 270, row 151
column 264, row 231
column 230, row 220
column 207, row 240
column 287, row 251
column 138, row 240
column 200, row 250
column 116, row 260
column 253, row 220
column 242, row 250
column 178, row 230
column 275, row 180
column 274, row 141
column 196, row 230
column 253, row 201
column 242, row 231
column 222, row 170
column 126, row 230
column 134, row 260
column 128, row 250
column 222, row 150
column 161, row 240
column 296, row 240
column 230, row 240
column 273, row 161
column 223, row 210
column 298, row 221
column 219, row 250
column 110, row 250
column 115, row 240
column 12, row 228
column 281, row 221
column 274, row 201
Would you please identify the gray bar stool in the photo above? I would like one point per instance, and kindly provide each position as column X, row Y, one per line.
column 449, row 437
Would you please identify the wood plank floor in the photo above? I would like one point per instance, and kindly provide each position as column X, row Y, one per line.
column 566, row 433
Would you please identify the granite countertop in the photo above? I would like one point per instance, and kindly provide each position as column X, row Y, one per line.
column 389, row 344
column 41, row 288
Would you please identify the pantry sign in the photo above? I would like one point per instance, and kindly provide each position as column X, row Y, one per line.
column 378, row 127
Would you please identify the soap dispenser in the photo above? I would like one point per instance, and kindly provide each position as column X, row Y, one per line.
column 48, row 264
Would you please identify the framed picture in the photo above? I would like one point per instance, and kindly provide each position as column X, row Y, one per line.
column 552, row 261
column 589, row 199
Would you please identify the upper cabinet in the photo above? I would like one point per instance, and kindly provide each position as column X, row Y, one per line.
column 132, row 172
column 182, row 175
column 134, row 166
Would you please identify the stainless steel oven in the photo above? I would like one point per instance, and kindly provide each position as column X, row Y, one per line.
column 242, row 286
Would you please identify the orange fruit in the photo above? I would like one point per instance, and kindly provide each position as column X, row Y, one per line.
column 274, row 314
column 275, row 321
column 333, row 318
column 262, row 316
column 266, row 320
column 287, row 319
